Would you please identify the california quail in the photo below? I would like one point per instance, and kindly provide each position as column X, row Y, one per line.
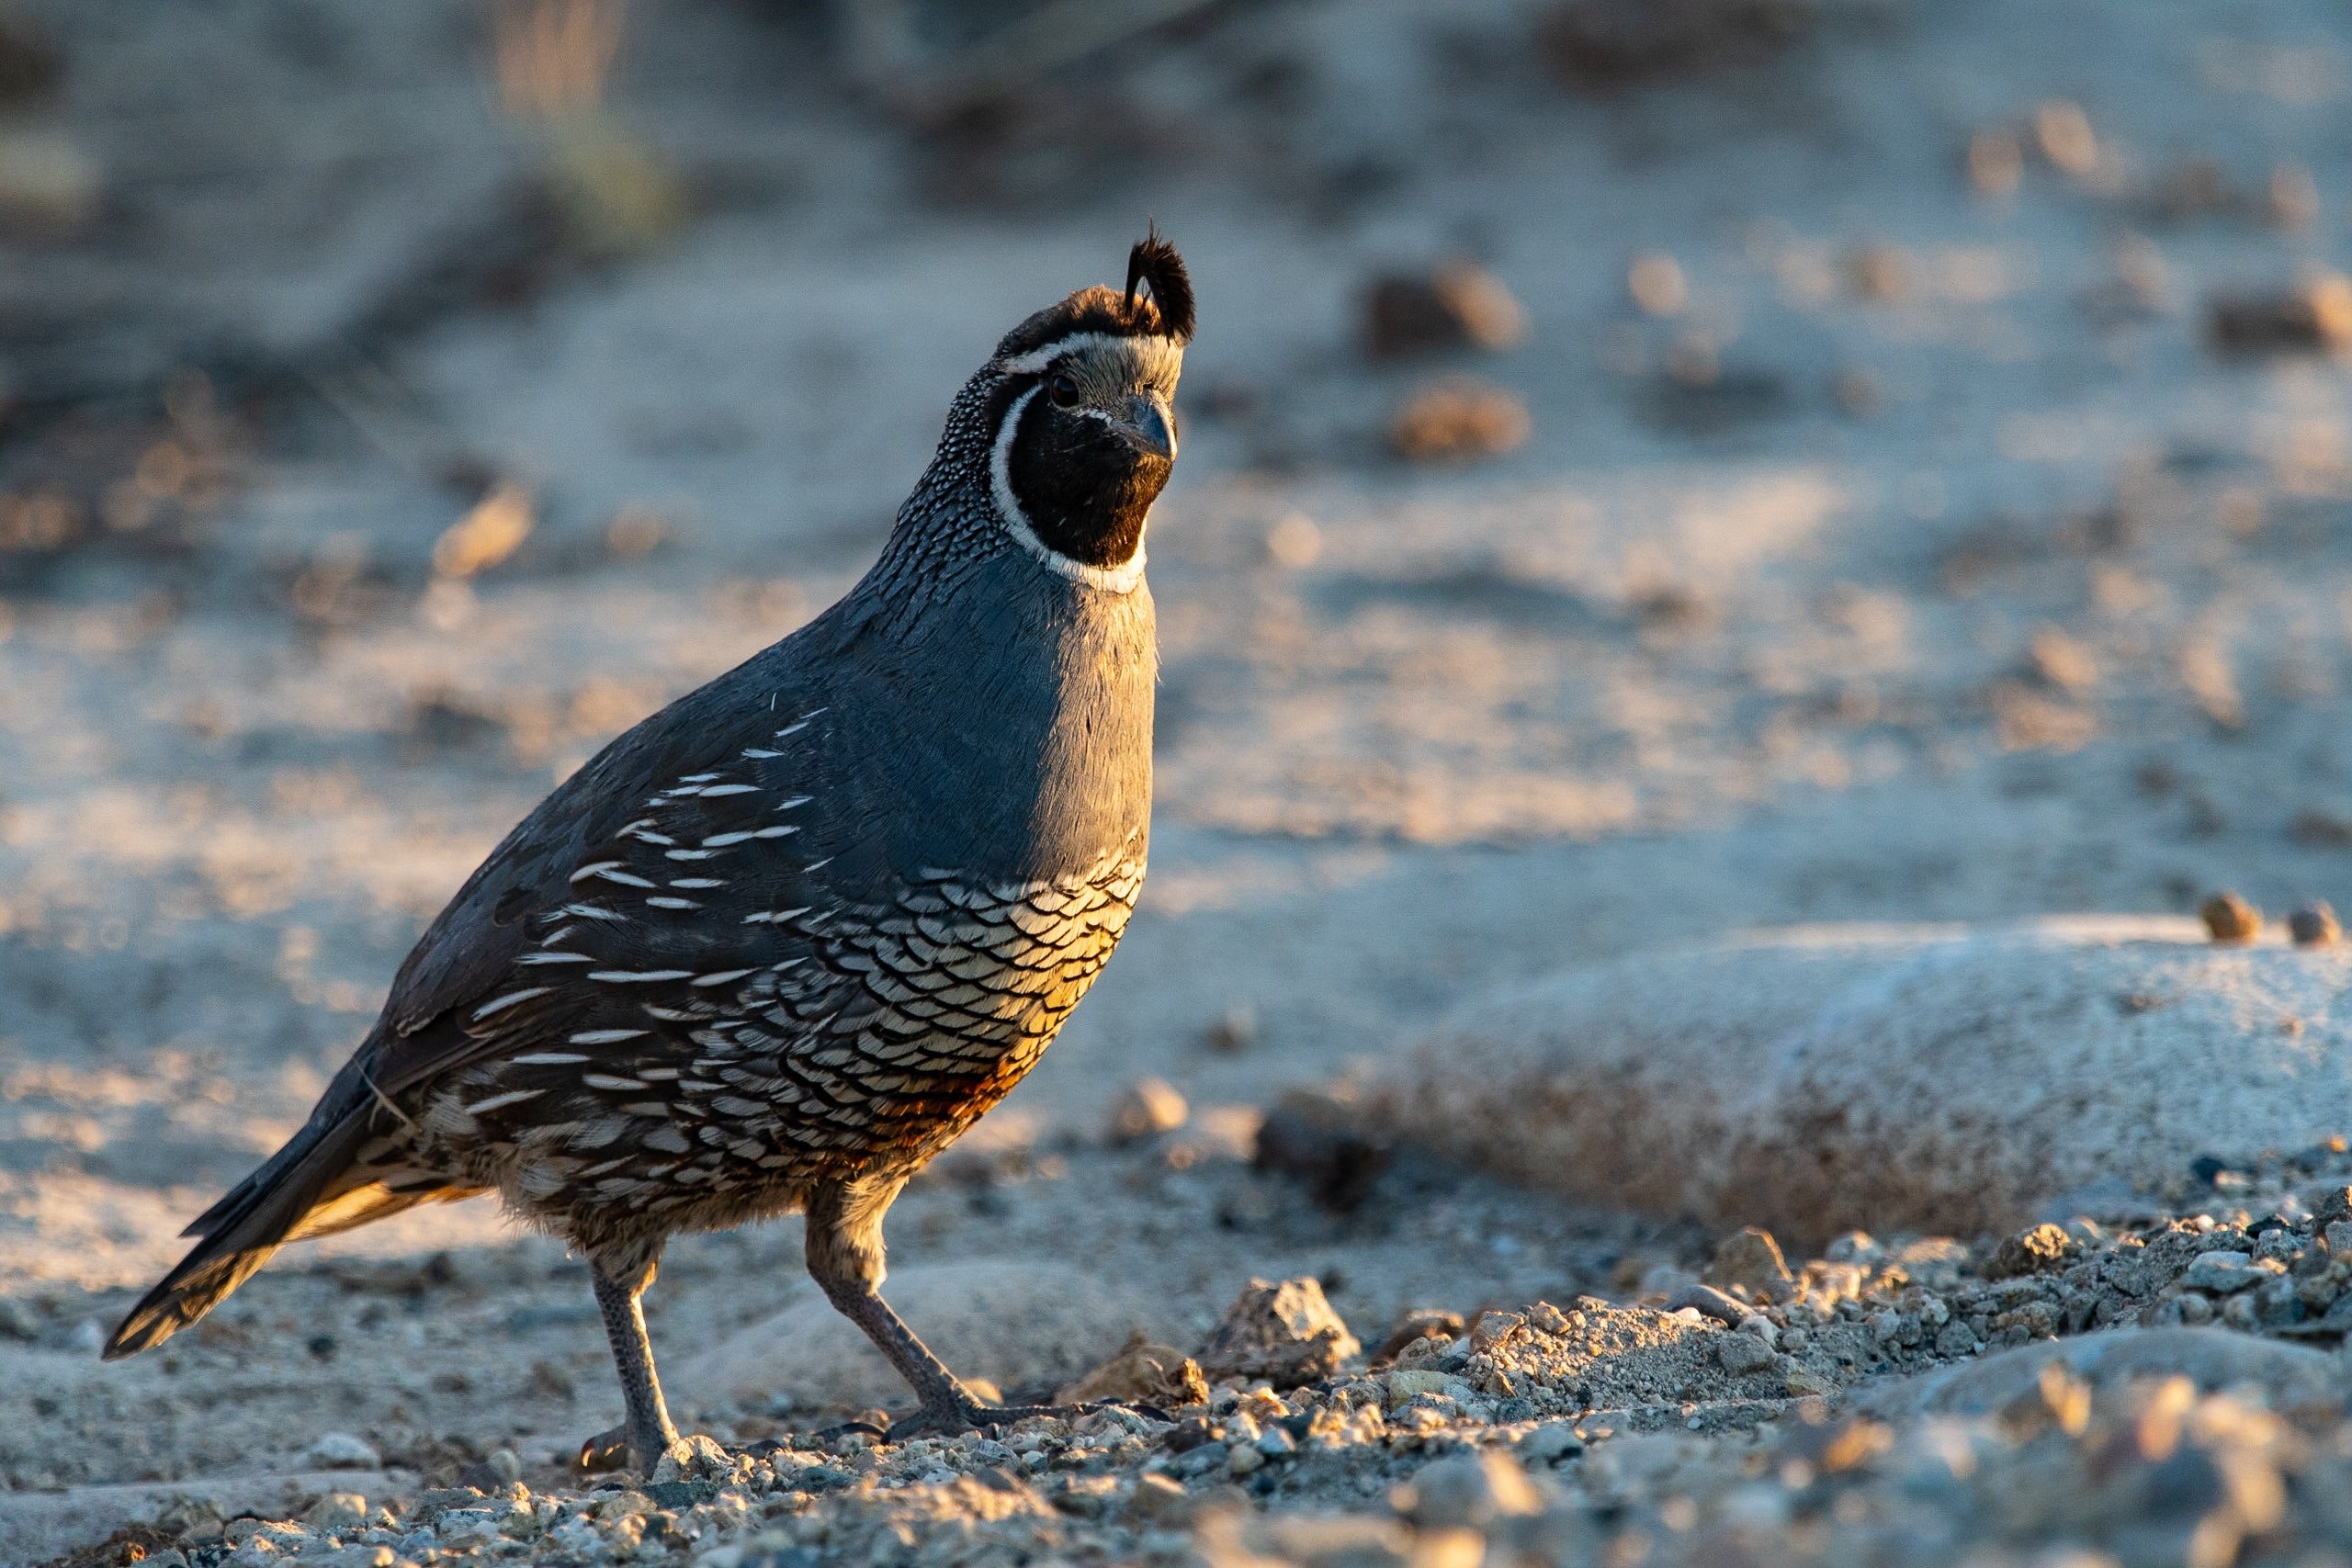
column 782, row 942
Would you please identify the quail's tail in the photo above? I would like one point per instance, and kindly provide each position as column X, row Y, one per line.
column 308, row 1188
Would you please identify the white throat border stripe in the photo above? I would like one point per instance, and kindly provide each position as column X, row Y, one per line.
column 1120, row 579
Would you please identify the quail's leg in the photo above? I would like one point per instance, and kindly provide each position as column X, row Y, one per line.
column 845, row 1258
column 620, row 1283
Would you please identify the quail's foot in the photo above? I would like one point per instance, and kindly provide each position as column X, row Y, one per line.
column 609, row 1450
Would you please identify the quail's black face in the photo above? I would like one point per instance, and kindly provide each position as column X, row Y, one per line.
column 1083, row 431
column 1090, row 444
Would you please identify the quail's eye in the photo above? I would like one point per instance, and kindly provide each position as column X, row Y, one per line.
column 1063, row 390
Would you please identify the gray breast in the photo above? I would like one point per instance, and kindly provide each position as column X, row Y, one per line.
column 1002, row 729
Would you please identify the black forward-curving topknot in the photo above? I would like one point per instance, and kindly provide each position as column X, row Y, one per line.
column 1164, row 308
column 1155, row 261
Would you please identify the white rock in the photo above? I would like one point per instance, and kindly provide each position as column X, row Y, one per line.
column 2221, row 1272
column 1944, row 1078
column 337, row 1512
column 2213, row 1359
column 1013, row 1323
column 342, row 1450
column 1550, row 1441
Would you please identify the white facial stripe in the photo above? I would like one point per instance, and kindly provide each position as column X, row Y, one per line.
column 1120, row 579
column 1036, row 359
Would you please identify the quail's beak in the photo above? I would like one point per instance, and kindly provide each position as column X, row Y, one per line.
column 1147, row 428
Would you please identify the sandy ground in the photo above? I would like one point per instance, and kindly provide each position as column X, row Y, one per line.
column 1921, row 560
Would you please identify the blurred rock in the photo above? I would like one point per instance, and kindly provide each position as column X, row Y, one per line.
column 2064, row 133
column 1599, row 43
column 1882, row 273
column 2199, row 188
column 2315, row 925
column 2193, row 188
column 338, row 1511
column 1996, row 161
column 2061, row 663
column 1246, row 1539
column 2210, row 1358
column 1467, row 1491
column 1293, row 541
column 1158, row 1498
column 2315, row 316
column 1015, row 1324
column 1153, row 1374
column 442, row 719
column 1657, row 284
column 1814, row 1078
column 1724, row 1309
column 1314, row 1137
column 493, row 529
column 636, row 531
column 1750, row 1260
column 1238, row 1029
column 1148, row 1107
column 1419, row 1322
column 2230, row 919
column 1286, row 1334
column 49, row 185
column 1457, row 420
column 1456, row 304
column 31, row 65
column 2034, row 1251
column 342, row 1450
column 2293, row 198
column 2322, row 830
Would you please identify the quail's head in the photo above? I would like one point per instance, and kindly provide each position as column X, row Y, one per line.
column 1085, row 432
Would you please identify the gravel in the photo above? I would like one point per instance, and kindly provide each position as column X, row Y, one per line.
column 1919, row 1400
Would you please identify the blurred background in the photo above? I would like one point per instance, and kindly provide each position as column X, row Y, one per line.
column 1649, row 470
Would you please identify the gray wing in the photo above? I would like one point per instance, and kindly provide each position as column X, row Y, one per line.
column 645, row 860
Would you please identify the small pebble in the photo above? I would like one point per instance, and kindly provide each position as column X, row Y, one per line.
column 1149, row 1106
column 1724, row 1308
column 2220, row 1272
column 2316, row 316
column 1156, row 1497
column 342, row 1450
column 2315, row 925
column 1453, row 420
column 1456, row 304
column 1750, row 1259
column 337, row 1512
column 1467, row 1491
column 2230, row 919
column 1238, row 1029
